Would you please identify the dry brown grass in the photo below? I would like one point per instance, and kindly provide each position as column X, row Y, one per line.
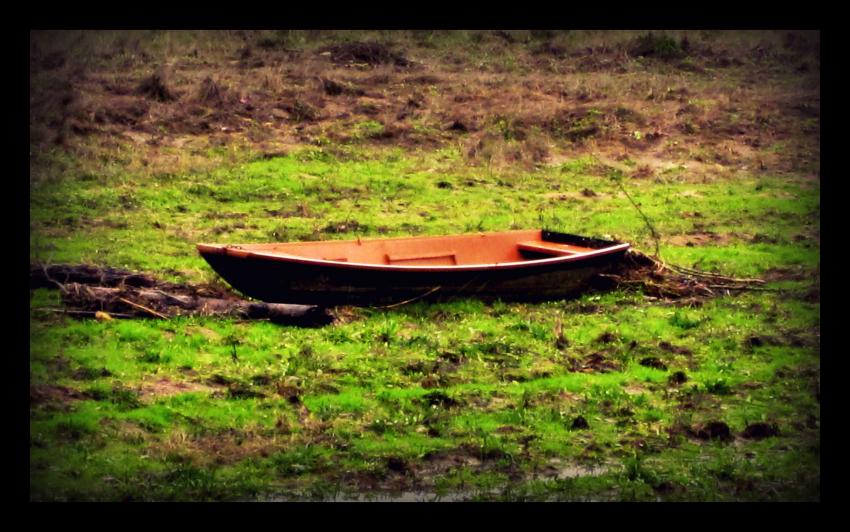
column 265, row 90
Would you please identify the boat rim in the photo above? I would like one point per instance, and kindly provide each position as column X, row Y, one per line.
column 237, row 252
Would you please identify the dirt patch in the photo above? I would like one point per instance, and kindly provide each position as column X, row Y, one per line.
column 658, row 46
column 653, row 362
column 423, row 80
column 344, row 227
column 679, row 350
column 579, row 423
column 438, row 462
column 212, row 93
column 398, row 465
column 55, row 397
column 207, row 333
column 712, row 430
column 606, row 338
column 124, row 111
column 53, row 60
column 165, row 387
column 634, row 389
column 677, row 378
column 289, row 392
column 701, row 239
column 574, row 124
column 439, row 399
column 87, row 374
column 549, row 48
column 222, row 448
column 760, row 430
column 560, row 470
column 335, row 88
column 788, row 274
column 369, row 53
column 761, row 341
column 156, row 87
column 595, row 363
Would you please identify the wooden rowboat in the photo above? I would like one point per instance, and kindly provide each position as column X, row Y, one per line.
column 512, row 265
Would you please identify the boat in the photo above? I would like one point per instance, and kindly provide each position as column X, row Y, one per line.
column 528, row 265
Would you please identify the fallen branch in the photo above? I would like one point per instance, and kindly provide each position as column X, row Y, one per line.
column 80, row 312
column 658, row 279
column 700, row 274
column 144, row 302
column 682, row 279
column 48, row 276
column 142, row 307
column 86, row 290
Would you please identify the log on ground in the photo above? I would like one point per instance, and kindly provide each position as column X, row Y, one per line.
column 157, row 303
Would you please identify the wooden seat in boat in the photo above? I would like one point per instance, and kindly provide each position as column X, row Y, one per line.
column 550, row 248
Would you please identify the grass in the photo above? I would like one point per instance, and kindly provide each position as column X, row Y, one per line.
column 312, row 194
column 610, row 396
column 365, row 398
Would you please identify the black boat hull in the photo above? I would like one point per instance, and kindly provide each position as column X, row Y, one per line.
column 324, row 284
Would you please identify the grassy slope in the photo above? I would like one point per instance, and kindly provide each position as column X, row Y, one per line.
column 480, row 400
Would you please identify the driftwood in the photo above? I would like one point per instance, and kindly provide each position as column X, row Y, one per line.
column 88, row 290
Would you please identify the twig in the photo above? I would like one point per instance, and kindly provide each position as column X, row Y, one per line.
column 176, row 299
column 146, row 309
column 733, row 287
column 82, row 312
column 47, row 276
column 429, row 292
column 655, row 235
column 697, row 273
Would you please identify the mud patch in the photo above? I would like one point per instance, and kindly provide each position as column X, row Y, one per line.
column 87, row 374
column 677, row 378
column 165, row 387
column 760, row 430
column 700, row 239
column 606, row 338
column 122, row 111
column 54, row 397
column 788, row 274
column 653, row 362
column 712, row 430
column 440, row 462
column 670, row 348
column 221, row 448
column 579, row 423
column 207, row 333
column 761, row 341
column 439, row 399
column 344, row 227
column 212, row 93
column 289, row 391
column 156, row 87
column 548, row 48
column 595, row 363
column 369, row 53
column 335, row 88
column 561, row 470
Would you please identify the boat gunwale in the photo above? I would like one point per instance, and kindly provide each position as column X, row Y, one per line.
column 223, row 249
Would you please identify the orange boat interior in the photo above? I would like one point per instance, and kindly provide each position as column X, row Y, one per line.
column 480, row 248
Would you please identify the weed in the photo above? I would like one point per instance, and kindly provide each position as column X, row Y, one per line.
column 681, row 320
